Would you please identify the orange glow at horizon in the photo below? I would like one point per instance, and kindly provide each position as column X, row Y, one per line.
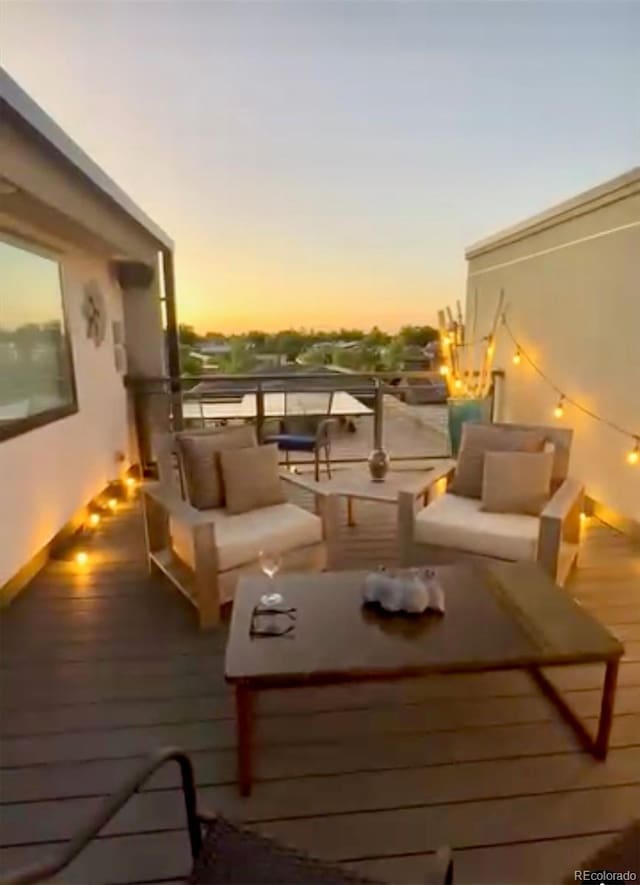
column 269, row 299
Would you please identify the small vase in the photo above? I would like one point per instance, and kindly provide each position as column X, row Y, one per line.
column 378, row 464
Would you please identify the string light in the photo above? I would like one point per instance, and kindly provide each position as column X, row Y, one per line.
column 82, row 557
column 632, row 456
column 94, row 520
column 444, row 370
column 458, row 384
column 130, row 482
column 112, row 504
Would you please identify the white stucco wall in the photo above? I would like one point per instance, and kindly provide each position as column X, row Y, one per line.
column 48, row 474
column 572, row 292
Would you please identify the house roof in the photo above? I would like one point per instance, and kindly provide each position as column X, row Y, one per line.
column 42, row 126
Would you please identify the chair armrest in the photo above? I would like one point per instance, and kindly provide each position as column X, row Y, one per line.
column 564, row 500
column 45, row 870
column 168, row 497
column 323, row 429
column 409, row 502
column 560, row 522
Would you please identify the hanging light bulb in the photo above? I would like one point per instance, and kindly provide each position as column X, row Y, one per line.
column 517, row 358
column 94, row 520
column 112, row 504
column 558, row 412
column 458, row 384
column 444, row 370
column 446, row 340
column 633, row 456
column 82, row 557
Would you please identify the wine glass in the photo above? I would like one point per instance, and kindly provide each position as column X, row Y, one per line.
column 270, row 562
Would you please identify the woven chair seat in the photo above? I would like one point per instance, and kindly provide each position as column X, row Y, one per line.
column 231, row 855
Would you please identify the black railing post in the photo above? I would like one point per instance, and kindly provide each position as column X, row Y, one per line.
column 378, row 413
column 259, row 411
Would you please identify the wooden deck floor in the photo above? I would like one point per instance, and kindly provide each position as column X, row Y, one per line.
column 97, row 669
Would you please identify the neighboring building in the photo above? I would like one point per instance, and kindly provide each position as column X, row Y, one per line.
column 79, row 308
column 571, row 284
column 214, row 348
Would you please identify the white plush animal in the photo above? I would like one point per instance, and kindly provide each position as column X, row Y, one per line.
column 413, row 591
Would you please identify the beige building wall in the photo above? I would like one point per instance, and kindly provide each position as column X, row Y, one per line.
column 571, row 284
column 48, row 474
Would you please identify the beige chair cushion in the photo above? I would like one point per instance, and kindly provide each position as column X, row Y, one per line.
column 460, row 523
column 516, row 482
column 240, row 537
column 251, row 478
column 480, row 438
column 199, row 456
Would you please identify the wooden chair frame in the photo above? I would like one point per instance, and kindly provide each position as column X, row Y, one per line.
column 203, row 584
column 559, row 533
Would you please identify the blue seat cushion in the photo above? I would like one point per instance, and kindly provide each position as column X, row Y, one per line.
column 292, row 442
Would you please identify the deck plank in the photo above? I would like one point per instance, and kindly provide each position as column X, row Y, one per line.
column 97, row 669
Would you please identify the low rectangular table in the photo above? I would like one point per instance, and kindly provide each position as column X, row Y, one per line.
column 499, row 616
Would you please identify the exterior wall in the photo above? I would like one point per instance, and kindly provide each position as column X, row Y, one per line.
column 571, row 288
column 48, row 474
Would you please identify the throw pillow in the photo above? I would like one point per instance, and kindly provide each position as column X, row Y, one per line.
column 477, row 439
column 516, row 482
column 199, row 459
column 251, row 478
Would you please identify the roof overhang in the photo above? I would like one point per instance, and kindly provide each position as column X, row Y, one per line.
column 15, row 102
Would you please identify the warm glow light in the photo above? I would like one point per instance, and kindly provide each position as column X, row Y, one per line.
column 112, row 504
column 446, row 340
column 130, row 482
column 458, row 384
column 444, row 370
column 94, row 519
column 82, row 557
column 558, row 412
column 517, row 359
column 583, row 517
column 633, row 457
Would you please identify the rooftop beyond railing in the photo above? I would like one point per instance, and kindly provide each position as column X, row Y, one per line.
column 403, row 410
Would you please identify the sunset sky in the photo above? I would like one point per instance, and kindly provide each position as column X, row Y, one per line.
column 325, row 164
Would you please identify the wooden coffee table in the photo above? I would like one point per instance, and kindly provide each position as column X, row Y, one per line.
column 355, row 484
column 499, row 616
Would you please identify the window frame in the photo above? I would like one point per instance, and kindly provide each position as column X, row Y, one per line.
column 49, row 416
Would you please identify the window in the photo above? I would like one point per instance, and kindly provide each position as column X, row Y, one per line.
column 37, row 384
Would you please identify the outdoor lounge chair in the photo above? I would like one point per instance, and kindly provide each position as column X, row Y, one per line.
column 453, row 528
column 222, row 852
column 205, row 551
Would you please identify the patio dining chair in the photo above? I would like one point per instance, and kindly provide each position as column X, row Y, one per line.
column 222, row 852
column 318, row 442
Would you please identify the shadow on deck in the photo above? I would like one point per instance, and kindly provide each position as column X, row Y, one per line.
column 98, row 668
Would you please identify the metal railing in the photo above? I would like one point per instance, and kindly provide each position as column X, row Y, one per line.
column 163, row 403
